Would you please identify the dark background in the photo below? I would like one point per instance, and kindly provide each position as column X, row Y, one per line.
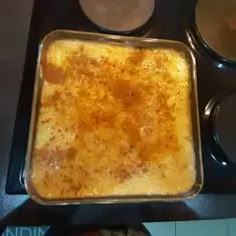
column 19, row 210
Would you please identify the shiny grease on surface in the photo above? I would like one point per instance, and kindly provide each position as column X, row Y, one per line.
column 113, row 121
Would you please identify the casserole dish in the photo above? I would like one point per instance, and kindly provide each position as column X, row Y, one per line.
column 114, row 119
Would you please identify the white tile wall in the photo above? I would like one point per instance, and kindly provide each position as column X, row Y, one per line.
column 161, row 229
column 202, row 228
column 231, row 230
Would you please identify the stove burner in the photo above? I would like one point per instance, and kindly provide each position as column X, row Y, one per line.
column 118, row 16
column 224, row 126
column 216, row 26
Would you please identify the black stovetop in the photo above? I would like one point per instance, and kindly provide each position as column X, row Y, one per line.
column 171, row 20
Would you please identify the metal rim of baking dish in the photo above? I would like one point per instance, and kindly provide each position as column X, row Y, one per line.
column 125, row 41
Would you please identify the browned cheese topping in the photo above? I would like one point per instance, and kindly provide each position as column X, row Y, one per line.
column 112, row 121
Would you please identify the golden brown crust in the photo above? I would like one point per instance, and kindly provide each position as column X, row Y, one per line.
column 108, row 115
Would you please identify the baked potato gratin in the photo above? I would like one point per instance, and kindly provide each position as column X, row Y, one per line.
column 113, row 121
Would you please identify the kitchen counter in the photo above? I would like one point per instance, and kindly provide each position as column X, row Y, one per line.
column 19, row 210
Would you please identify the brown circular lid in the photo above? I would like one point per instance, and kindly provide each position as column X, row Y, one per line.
column 118, row 15
column 216, row 23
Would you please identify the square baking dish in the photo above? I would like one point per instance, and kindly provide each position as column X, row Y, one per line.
column 121, row 41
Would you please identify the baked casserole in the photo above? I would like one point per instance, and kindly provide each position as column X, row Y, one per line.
column 113, row 121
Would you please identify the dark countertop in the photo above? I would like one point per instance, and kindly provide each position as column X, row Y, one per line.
column 19, row 210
